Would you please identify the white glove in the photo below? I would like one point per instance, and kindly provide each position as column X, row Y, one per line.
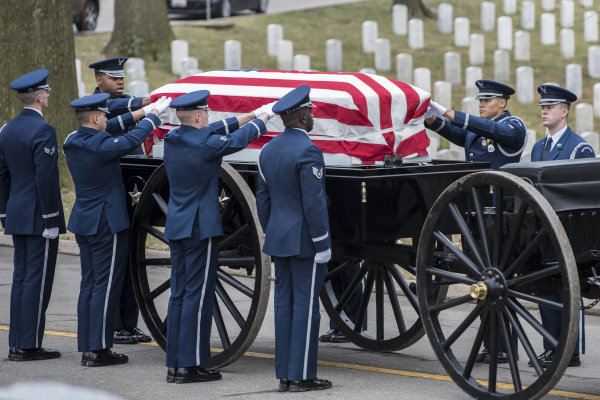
column 428, row 114
column 153, row 106
column 436, row 109
column 50, row 233
column 323, row 256
column 265, row 109
column 162, row 104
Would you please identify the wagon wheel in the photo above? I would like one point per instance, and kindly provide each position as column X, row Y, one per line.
column 243, row 277
column 504, row 246
column 384, row 302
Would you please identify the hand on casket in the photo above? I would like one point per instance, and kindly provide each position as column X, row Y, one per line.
column 162, row 104
column 435, row 109
column 265, row 109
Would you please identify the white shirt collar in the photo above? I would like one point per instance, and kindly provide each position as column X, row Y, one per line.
column 301, row 130
column 35, row 109
column 556, row 137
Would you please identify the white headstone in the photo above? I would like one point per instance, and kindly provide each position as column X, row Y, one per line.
column 285, row 55
column 415, row 33
column 190, row 72
column 587, row 3
column 179, row 49
column 593, row 139
column 548, row 31
column 233, row 54
column 442, row 93
column 302, row 62
column 452, row 68
column 369, row 36
column 400, row 19
column 383, row 57
column 597, row 99
column 134, row 69
column 274, row 35
column 501, row 66
column 488, row 16
column 434, row 145
column 509, row 6
column 528, row 15
column 470, row 105
column 445, row 18
column 567, row 13
column 422, row 79
column 458, row 152
column 333, row 49
column 404, row 67
column 370, row 71
column 81, row 88
column 461, row 32
column 594, row 62
column 188, row 64
column 138, row 88
column 477, row 49
column 522, row 46
column 78, row 69
column 530, row 140
column 584, row 117
column 525, row 84
column 548, row 5
column 590, row 26
column 567, row 43
column 574, row 79
column 505, row 35
column 472, row 74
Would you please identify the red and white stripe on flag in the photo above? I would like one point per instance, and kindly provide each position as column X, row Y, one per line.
column 363, row 116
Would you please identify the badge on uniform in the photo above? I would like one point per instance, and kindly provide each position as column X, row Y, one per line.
column 224, row 138
column 490, row 145
column 50, row 151
column 116, row 140
column 318, row 172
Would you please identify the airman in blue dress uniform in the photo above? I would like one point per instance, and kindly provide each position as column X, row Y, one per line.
column 496, row 136
column 192, row 158
column 100, row 221
column 31, row 211
column 292, row 208
column 560, row 143
column 124, row 111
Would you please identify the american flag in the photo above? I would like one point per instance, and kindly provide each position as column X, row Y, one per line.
column 360, row 115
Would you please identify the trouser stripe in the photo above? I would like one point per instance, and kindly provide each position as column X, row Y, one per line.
column 309, row 324
column 107, row 297
column 206, row 267
column 42, row 287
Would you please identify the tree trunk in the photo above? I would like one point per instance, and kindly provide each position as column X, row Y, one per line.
column 38, row 34
column 416, row 8
column 141, row 30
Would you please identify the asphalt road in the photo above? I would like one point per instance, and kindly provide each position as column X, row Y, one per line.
column 356, row 374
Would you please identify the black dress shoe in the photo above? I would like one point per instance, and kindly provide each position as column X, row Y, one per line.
column 575, row 361
column 483, row 356
column 100, row 358
column 196, row 374
column 545, row 359
column 502, row 358
column 284, row 385
column 171, row 373
column 39, row 353
column 140, row 336
column 333, row 336
column 124, row 336
column 309, row 384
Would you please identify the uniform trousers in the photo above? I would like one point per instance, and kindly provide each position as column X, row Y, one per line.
column 193, row 279
column 103, row 267
column 34, row 264
column 298, row 282
column 551, row 320
column 127, row 309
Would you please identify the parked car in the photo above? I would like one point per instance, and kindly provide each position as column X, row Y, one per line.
column 218, row 8
column 85, row 14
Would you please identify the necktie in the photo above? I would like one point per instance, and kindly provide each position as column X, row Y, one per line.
column 547, row 147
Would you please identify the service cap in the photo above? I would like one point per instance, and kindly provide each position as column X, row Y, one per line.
column 93, row 102
column 490, row 89
column 32, row 81
column 294, row 100
column 114, row 67
column 197, row 100
column 552, row 94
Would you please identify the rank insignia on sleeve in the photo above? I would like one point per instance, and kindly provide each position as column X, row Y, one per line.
column 116, row 140
column 50, row 151
column 224, row 138
column 318, row 172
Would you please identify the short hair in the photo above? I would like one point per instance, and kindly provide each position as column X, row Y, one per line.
column 84, row 117
column 186, row 116
column 28, row 98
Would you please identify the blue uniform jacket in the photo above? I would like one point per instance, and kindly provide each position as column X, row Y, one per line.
column 30, row 198
column 119, row 115
column 192, row 158
column 291, row 199
column 570, row 146
column 500, row 140
column 93, row 159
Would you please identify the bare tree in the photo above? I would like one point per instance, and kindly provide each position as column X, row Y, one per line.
column 416, row 8
column 141, row 30
column 38, row 34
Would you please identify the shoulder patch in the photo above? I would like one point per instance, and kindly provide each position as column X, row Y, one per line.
column 116, row 140
column 318, row 172
column 50, row 151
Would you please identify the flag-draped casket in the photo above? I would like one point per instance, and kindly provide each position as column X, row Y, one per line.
column 359, row 118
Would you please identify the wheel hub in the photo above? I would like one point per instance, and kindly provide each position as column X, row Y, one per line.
column 490, row 287
column 478, row 290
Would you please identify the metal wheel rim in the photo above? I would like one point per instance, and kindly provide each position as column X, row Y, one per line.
column 462, row 372
column 250, row 320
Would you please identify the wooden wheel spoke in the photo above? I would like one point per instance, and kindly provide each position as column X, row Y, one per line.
column 462, row 327
column 237, row 261
column 231, row 239
column 231, row 281
column 536, row 299
column 160, row 289
column 220, row 324
column 338, row 270
column 410, row 296
column 526, row 315
column 163, row 326
column 450, row 304
column 471, row 266
column 157, row 261
column 517, row 327
column 485, row 321
column 229, row 304
column 364, row 302
column 160, row 202
column 498, row 225
column 493, row 371
column 351, row 288
column 154, row 232
column 451, row 276
column 532, row 246
column 514, row 234
column 512, row 362
column 466, row 234
column 391, row 289
column 379, row 311
column 542, row 273
column 481, row 226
